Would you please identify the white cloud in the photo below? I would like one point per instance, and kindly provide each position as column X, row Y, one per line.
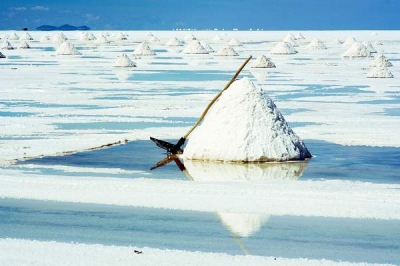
column 41, row 8
column 20, row 8
column 91, row 17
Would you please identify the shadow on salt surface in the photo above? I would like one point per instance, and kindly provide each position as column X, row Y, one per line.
column 353, row 240
column 330, row 162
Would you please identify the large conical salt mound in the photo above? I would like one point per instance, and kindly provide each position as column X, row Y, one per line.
column 316, row 44
column 226, row 51
column 174, row 42
column 1, row 55
column 290, row 39
column 283, row 48
column 357, row 50
column 7, row 45
column 194, row 47
column 381, row 60
column 143, row 49
column 26, row 37
column 67, row 48
column 124, row 61
column 59, row 38
column 263, row 62
column 24, row 45
column 380, row 72
column 245, row 125
column 235, row 43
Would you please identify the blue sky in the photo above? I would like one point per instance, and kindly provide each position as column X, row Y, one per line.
column 203, row 14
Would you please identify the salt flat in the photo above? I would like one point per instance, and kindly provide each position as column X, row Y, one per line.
column 55, row 104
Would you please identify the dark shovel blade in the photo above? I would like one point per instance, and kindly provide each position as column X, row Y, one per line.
column 169, row 147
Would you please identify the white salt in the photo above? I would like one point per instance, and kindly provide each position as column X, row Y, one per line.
column 245, row 125
column 67, row 48
column 283, row 48
column 263, row 62
column 124, row 61
column 194, row 47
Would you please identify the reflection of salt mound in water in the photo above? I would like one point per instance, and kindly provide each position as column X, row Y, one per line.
column 143, row 49
column 245, row 125
column 194, row 47
column 381, row 60
column 220, row 171
column 283, row 48
column 124, row 61
column 380, row 72
column 67, row 48
column 316, row 44
column 263, row 62
column 243, row 224
column 122, row 73
column 226, row 51
column 357, row 50
column 174, row 42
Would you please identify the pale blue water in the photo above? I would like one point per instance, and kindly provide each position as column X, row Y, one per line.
column 330, row 162
column 354, row 240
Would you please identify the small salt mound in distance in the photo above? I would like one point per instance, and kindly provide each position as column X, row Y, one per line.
column 235, row 43
column 316, row 44
column 337, row 41
column 154, row 39
column 59, row 38
column 299, row 36
column 1, row 55
column 120, row 36
column 24, row 45
column 174, row 42
column 377, row 43
column 263, row 62
column 283, row 48
column 149, row 34
column 207, row 46
column 291, row 41
column 380, row 72
column 67, row 48
column 190, row 37
column 357, row 50
column 226, row 51
column 381, row 60
column 102, row 39
column 143, row 49
column 194, row 47
column 26, row 37
column 245, row 125
column 349, row 41
column 84, row 37
column 217, row 38
column 44, row 38
column 369, row 47
column 13, row 36
column 7, row 45
column 124, row 61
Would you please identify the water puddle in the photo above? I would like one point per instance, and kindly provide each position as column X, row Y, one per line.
column 354, row 240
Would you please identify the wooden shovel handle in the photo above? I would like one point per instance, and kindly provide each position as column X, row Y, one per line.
column 216, row 98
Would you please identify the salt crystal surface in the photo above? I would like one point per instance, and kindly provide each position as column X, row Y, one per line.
column 245, row 125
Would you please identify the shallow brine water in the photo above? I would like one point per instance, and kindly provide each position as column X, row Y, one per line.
column 330, row 161
column 233, row 233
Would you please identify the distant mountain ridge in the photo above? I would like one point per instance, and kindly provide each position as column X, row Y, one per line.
column 65, row 27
